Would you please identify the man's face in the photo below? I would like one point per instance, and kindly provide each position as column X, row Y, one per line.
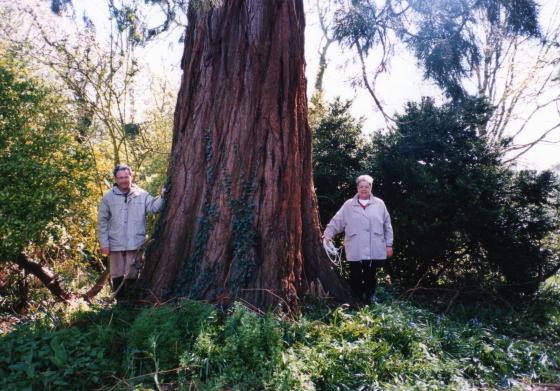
column 364, row 190
column 123, row 180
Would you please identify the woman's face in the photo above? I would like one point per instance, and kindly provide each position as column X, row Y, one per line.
column 364, row 190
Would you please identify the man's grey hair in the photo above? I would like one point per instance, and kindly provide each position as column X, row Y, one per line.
column 365, row 178
column 121, row 167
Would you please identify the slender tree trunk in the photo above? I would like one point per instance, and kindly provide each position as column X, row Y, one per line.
column 241, row 216
column 46, row 276
column 322, row 63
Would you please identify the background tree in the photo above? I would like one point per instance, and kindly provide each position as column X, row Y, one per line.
column 44, row 170
column 365, row 26
column 498, row 50
column 481, row 48
column 340, row 153
column 323, row 9
column 462, row 218
column 241, row 219
column 103, row 78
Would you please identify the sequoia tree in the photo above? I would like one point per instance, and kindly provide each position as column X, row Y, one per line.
column 241, row 220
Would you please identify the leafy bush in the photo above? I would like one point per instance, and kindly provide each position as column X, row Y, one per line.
column 460, row 216
column 44, row 170
column 340, row 152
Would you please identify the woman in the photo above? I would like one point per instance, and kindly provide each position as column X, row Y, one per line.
column 368, row 237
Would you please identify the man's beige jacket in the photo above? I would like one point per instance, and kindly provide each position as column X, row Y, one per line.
column 121, row 218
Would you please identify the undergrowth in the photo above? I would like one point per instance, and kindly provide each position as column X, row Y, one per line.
column 393, row 345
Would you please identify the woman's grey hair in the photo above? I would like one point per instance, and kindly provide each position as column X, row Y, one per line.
column 121, row 167
column 364, row 178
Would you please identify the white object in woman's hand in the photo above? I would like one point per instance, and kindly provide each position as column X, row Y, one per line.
column 329, row 246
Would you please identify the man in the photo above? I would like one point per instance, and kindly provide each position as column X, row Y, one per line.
column 121, row 227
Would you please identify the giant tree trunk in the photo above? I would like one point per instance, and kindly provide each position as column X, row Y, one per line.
column 241, row 216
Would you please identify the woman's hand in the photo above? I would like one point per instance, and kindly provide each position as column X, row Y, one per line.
column 389, row 251
column 329, row 246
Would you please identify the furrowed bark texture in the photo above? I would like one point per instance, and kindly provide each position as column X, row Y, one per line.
column 241, row 215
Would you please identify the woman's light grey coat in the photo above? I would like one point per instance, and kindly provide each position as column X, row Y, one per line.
column 367, row 231
column 121, row 219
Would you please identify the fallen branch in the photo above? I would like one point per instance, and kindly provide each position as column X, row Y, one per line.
column 54, row 284
column 90, row 294
column 46, row 276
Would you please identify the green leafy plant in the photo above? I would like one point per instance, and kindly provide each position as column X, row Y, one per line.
column 392, row 345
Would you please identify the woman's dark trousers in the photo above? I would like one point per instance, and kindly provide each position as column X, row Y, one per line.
column 363, row 278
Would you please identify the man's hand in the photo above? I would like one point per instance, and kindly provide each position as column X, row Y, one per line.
column 389, row 251
column 163, row 190
column 105, row 251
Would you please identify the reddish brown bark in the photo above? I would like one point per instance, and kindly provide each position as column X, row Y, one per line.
column 241, row 217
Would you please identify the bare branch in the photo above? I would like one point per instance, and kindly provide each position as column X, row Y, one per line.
column 369, row 87
column 322, row 12
column 527, row 146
